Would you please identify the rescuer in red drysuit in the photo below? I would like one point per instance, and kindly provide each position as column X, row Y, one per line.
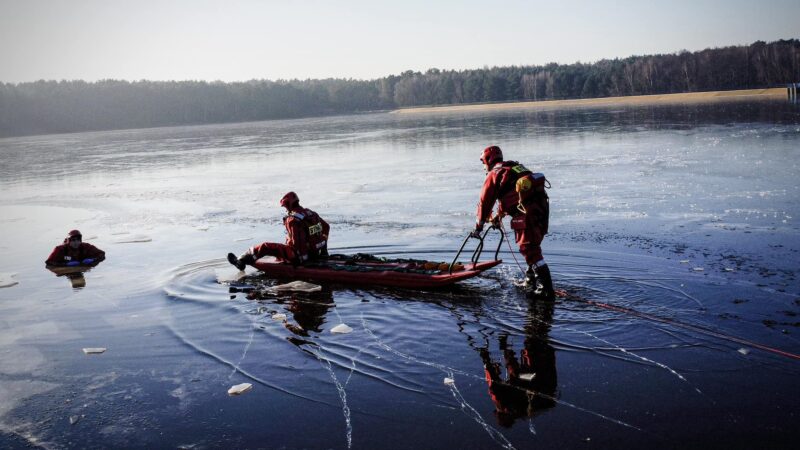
column 74, row 252
column 521, row 194
column 306, row 239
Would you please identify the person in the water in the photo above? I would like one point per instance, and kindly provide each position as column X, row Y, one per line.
column 306, row 237
column 75, row 252
column 522, row 196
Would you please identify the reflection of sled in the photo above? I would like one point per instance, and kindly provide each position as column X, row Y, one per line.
column 370, row 270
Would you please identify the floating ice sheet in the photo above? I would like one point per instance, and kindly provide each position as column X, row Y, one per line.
column 341, row 329
column 297, row 286
column 133, row 239
column 226, row 276
column 239, row 388
column 7, row 280
column 94, row 350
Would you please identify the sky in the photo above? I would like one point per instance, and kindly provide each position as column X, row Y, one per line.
column 276, row 39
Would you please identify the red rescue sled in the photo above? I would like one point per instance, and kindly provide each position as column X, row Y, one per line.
column 364, row 269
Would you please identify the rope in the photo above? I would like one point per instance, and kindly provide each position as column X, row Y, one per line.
column 632, row 312
column 666, row 320
column 513, row 254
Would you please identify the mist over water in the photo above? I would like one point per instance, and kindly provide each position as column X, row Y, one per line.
column 684, row 218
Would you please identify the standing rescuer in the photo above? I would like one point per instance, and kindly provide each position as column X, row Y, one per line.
column 521, row 194
column 306, row 237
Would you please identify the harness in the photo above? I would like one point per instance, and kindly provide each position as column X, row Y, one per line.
column 312, row 226
column 530, row 189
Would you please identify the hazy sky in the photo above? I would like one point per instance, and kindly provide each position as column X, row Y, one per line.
column 272, row 39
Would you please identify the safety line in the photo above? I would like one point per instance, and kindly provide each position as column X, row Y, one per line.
column 697, row 328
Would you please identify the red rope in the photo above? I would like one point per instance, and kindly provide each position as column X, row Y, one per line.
column 699, row 329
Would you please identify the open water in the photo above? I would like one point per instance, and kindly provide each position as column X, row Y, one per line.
column 674, row 230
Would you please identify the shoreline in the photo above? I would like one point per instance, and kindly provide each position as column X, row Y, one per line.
column 654, row 99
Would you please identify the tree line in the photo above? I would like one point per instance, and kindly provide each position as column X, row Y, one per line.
column 67, row 106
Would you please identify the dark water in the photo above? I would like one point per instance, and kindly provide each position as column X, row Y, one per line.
column 674, row 230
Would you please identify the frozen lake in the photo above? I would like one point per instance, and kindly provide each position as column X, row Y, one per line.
column 674, row 229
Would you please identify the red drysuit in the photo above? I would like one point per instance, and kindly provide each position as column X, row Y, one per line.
column 63, row 254
column 529, row 208
column 307, row 238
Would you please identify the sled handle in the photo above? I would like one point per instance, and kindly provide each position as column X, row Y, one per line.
column 478, row 249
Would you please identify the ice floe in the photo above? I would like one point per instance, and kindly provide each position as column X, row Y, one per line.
column 239, row 388
column 341, row 329
column 94, row 350
column 7, row 280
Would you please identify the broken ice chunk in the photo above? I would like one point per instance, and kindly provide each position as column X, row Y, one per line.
column 341, row 328
column 7, row 280
column 239, row 388
column 449, row 381
column 134, row 239
column 684, row 261
column 297, row 286
column 527, row 376
column 698, row 269
column 744, row 351
column 279, row 316
column 94, row 350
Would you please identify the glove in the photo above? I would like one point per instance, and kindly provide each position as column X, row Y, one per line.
column 73, row 263
column 476, row 233
column 87, row 261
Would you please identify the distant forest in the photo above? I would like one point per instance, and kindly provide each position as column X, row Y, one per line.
column 66, row 106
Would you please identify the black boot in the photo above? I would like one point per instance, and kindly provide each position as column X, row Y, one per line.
column 544, row 283
column 530, row 277
column 242, row 261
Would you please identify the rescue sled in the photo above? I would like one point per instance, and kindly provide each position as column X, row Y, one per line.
column 365, row 269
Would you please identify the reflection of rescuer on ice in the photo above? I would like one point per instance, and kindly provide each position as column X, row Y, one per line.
column 531, row 381
column 306, row 239
column 522, row 196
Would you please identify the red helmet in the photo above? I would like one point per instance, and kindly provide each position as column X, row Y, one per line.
column 73, row 234
column 491, row 155
column 290, row 200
